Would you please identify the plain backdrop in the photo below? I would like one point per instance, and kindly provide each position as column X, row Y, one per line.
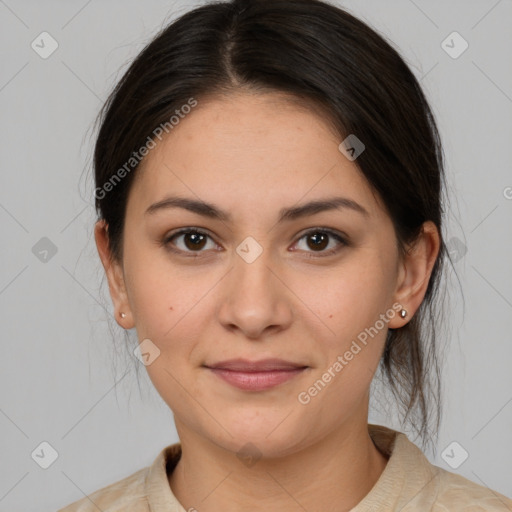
column 63, row 378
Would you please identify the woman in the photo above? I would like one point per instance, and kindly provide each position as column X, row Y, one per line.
column 269, row 183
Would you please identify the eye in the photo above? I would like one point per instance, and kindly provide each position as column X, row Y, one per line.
column 193, row 240
column 318, row 239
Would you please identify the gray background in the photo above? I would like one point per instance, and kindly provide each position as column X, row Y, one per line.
column 64, row 379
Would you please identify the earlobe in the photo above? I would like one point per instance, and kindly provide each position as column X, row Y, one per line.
column 115, row 276
column 415, row 273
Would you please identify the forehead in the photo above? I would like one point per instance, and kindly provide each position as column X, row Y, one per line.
column 248, row 151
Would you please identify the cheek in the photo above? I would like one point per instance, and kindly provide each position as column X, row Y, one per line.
column 350, row 306
column 160, row 297
column 153, row 302
column 170, row 308
column 348, row 298
column 350, row 302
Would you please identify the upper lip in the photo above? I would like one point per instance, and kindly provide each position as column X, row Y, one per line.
column 244, row 365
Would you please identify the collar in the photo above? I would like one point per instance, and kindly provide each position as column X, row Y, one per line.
column 408, row 475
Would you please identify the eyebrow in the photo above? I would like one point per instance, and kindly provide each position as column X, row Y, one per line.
column 285, row 214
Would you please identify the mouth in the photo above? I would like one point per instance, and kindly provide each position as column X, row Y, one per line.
column 256, row 375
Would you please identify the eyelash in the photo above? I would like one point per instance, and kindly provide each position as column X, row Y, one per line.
column 321, row 254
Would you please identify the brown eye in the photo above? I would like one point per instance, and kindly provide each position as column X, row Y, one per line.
column 318, row 240
column 192, row 240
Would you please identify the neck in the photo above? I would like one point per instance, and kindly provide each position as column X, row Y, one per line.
column 334, row 473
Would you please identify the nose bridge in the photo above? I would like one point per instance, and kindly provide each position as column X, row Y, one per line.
column 255, row 298
column 252, row 274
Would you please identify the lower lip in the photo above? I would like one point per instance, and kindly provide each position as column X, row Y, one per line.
column 256, row 381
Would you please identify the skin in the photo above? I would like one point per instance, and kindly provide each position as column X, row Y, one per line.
column 252, row 155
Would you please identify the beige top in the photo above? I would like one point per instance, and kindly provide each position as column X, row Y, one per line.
column 408, row 483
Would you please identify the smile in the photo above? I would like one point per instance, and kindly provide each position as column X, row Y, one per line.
column 256, row 380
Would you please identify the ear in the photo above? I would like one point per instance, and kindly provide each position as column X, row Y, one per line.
column 415, row 271
column 115, row 276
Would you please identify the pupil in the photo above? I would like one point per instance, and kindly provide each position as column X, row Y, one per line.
column 316, row 237
column 195, row 239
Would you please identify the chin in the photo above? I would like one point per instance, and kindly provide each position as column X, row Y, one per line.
column 260, row 439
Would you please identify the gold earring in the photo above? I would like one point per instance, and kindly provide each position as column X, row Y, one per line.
column 123, row 315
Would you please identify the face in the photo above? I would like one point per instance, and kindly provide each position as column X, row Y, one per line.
column 303, row 288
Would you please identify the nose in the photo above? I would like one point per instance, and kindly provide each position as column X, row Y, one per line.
column 255, row 299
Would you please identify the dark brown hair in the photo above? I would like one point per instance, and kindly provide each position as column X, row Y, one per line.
column 321, row 54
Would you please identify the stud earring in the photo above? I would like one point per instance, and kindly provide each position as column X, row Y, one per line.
column 123, row 315
column 403, row 313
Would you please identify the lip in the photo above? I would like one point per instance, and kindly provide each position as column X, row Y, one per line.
column 263, row 365
column 256, row 381
column 256, row 375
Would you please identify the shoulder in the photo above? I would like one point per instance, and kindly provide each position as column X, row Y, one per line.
column 146, row 489
column 126, row 494
column 410, row 482
column 456, row 493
